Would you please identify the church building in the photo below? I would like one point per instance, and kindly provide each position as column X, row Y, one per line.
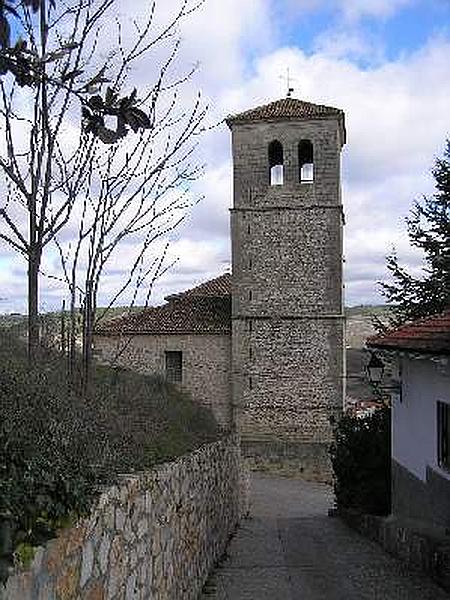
column 263, row 347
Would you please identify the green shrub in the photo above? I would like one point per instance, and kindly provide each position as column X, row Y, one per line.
column 361, row 459
column 45, row 464
column 57, row 447
column 24, row 554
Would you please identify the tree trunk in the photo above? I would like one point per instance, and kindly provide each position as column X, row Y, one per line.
column 88, row 324
column 72, row 335
column 33, row 314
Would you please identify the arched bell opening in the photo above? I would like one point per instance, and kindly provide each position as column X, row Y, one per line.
column 306, row 161
column 276, row 166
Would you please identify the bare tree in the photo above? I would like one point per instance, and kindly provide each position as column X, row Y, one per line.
column 136, row 192
column 48, row 76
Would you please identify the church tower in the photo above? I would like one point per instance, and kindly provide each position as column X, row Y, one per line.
column 287, row 290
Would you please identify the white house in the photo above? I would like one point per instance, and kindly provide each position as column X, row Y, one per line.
column 421, row 419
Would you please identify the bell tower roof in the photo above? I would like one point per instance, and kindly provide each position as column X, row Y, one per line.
column 287, row 109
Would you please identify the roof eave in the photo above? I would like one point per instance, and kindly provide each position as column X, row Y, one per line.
column 237, row 120
column 407, row 348
column 340, row 117
column 132, row 333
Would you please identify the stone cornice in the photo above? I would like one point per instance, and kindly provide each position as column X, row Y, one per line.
column 291, row 208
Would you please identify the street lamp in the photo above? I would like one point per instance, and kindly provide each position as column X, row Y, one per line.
column 375, row 370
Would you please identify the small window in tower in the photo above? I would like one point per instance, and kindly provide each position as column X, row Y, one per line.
column 306, row 161
column 276, row 163
column 174, row 367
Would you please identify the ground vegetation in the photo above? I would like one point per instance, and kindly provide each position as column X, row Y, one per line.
column 57, row 448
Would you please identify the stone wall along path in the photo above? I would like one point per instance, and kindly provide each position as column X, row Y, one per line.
column 153, row 536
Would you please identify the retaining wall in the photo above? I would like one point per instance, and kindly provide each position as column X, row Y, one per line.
column 417, row 548
column 153, row 536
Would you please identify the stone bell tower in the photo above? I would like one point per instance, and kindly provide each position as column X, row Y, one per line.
column 287, row 291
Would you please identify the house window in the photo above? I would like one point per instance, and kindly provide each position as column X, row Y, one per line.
column 443, row 430
column 276, row 163
column 174, row 366
column 306, row 161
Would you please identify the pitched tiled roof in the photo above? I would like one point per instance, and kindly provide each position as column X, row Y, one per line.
column 217, row 288
column 205, row 308
column 430, row 335
column 286, row 108
column 192, row 316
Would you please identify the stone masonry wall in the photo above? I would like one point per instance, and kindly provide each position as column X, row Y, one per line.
column 287, row 261
column 153, row 536
column 251, row 169
column 290, row 378
column 206, row 364
column 287, row 306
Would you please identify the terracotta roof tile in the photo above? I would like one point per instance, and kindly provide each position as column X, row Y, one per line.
column 217, row 288
column 286, row 108
column 197, row 315
column 430, row 335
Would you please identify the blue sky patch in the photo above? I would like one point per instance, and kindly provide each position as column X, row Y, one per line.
column 405, row 31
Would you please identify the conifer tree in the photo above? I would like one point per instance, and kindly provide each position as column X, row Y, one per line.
column 428, row 228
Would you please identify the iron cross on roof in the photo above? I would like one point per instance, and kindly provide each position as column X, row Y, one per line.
column 289, row 80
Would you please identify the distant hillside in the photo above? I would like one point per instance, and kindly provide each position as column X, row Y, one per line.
column 359, row 323
column 359, row 320
column 54, row 318
column 13, row 321
column 359, row 326
column 366, row 309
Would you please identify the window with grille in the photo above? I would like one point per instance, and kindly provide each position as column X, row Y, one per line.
column 443, row 430
column 174, row 366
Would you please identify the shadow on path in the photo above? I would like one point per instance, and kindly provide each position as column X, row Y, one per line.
column 289, row 549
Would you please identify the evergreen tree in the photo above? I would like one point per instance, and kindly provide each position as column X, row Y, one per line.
column 428, row 229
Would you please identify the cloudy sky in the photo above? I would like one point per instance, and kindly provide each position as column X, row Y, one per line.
column 384, row 62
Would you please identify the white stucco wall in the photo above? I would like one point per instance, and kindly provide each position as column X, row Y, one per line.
column 414, row 420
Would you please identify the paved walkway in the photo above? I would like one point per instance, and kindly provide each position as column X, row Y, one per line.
column 291, row 550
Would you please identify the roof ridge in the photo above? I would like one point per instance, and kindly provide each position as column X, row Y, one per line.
column 286, row 108
column 219, row 285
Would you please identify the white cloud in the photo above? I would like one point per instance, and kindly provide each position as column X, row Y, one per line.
column 395, row 125
column 355, row 9
column 352, row 10
column 343, row 34
column 350, row 43
column 396, row 116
